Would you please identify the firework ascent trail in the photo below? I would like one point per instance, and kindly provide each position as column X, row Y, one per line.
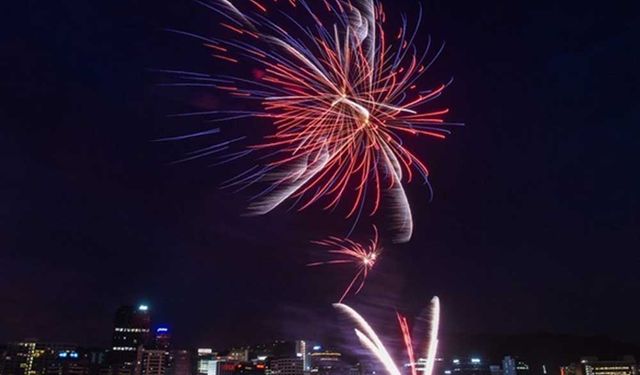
column 370, row 340
column 343, row 95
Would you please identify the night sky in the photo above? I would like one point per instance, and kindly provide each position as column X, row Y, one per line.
column 534, row 224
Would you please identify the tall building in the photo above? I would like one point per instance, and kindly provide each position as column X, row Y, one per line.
column 31, row 357
column 514, row 366
column 156, row 358
column 154, row 362
column 130, row 332
column 19, row 358
column 302, row 352
column 163, row 338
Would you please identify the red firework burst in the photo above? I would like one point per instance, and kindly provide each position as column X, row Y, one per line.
column 363, row 257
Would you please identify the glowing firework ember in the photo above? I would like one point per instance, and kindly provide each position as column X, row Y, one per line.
column 342, row 93
column 364, row 257
column 370, row 340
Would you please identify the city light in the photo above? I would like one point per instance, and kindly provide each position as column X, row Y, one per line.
column 67, row 354
column 143, row 307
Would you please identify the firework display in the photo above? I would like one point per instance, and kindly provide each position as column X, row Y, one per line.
column 364, row 257
column 370, row 340
column 342, row 94
column 337, row 91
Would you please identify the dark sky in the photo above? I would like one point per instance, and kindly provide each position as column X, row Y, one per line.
column 533, row 225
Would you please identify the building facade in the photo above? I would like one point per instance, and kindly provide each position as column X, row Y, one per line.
column 155, row 362
column 286, row 366
column 31, row 357
column 595, row 366
column 328, row 363
column 514, row 366
column 181, row 363
column 131, row 327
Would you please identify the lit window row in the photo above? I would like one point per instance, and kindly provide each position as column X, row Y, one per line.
column 124, row 348
column 598, row 368
column 131, row 330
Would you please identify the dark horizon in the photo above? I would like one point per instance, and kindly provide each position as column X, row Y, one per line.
column 533, row 226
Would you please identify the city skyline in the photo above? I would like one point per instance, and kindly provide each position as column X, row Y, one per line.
column 140, row 346
column 295, row 357
column 133, row 326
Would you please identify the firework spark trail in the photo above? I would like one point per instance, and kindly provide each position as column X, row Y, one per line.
column 369, row 339
column 408, row 342
column 341, row 98
column 349, row 252
column 433, row 335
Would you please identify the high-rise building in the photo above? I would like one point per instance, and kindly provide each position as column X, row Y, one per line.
column 155, row 362
column 130, row 332
column 514, row 366
column 19, row 358
column 163, row 338
column 31, row 357
column 155, row 358
column 302, row 352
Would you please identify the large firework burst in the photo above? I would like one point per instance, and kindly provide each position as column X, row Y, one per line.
column 342, row 93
